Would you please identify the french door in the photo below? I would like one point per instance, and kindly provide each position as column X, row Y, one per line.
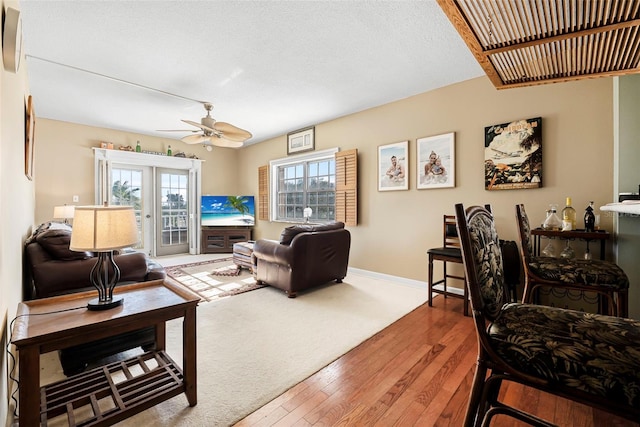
column 172, row 210
column 163, row 192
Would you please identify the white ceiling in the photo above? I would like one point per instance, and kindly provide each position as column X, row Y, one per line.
column 269, row 67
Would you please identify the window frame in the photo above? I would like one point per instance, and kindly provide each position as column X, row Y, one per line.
column 288, row 161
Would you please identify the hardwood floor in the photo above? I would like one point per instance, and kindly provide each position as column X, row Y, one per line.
column 416, row 372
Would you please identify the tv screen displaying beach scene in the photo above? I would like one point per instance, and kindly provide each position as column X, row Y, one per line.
column 227, row 211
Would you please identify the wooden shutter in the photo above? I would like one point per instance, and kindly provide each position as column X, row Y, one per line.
column 263, row 193
column 347, row 186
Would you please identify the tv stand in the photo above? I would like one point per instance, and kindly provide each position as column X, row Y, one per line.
column 221, row 239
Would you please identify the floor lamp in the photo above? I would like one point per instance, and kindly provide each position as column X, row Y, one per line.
column 103, row 229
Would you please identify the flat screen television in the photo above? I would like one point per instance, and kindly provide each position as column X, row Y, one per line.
column 227, row 211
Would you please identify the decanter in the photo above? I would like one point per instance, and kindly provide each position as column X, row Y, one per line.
column 552, row 222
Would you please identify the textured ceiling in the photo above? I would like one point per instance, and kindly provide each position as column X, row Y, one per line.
column 269, row 67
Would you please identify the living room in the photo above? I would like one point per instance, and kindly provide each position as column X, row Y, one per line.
column 589, row 144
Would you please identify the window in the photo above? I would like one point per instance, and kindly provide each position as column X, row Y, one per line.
column 304, row 181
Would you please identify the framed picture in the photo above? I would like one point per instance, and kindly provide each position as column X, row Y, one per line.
column 436, row 161
column 513, row 155
column 392, row 166
column 29, row 134
column 301, row 140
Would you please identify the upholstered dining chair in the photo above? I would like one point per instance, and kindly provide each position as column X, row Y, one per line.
column 604, row 278
column 588, row 358
column 448, row 252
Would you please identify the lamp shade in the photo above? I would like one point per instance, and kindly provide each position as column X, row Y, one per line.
column 103, row 228
column 64, row 212
column 307, row 212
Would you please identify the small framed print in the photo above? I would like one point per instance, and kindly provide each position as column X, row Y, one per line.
column 301, row 140
column 29, row 137
column 436, row 162
column 392, row 166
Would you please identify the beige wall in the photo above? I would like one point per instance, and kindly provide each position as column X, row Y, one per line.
column 65, row 163
column 16, row 208
column 396, row 228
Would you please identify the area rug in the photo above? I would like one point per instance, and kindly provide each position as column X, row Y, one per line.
column 215, row 279
column 255, row 346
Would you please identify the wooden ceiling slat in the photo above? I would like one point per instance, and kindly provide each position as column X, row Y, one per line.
column 524, row 10
column 481, row 31
column 525, row 42
column 497, row 23
column 510, row 22
column 622, row 49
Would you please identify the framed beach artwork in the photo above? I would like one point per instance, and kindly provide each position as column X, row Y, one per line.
column 301, row 140
column 436, row 161
column 393, row 160
column 513, row 155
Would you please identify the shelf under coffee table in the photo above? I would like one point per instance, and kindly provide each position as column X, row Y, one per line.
column 113, row 392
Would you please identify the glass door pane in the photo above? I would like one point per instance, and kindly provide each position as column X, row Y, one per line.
column 128, row 189
column 172, row 204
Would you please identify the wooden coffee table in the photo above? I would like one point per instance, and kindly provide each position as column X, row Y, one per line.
column 51, row 324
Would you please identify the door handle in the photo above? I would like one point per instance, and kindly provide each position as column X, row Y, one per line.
column 147, row 216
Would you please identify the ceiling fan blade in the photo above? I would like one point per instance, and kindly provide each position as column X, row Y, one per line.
column 232, row 132
column 195, row 139
column 200, row 125
column 176, row 130
column 222, row 141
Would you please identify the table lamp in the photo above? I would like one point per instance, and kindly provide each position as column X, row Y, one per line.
column 64, row 212
column 307, row 212
column 102, row 229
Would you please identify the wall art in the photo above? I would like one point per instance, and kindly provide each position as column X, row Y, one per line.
column 436, row 161
column 29, row 137
column 393, row 160
column 513, row 155
column 301, row 140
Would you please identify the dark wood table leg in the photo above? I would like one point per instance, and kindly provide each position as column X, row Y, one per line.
column 161, row 336
column 29, row 394
column 189, row 359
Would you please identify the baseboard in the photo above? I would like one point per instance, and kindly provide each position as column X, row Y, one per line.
column 403, row 281
column 396, row 279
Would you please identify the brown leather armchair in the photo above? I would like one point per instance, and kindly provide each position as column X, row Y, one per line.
column 306, row 256
column 53, row 269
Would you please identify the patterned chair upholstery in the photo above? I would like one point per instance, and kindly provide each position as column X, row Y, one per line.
column 604, row 278
column 589, row 358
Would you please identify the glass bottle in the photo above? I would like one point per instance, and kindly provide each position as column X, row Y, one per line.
column 589, row 218
column 169, row 152
column 552, row 222
column 138, row 148
column 568, row 217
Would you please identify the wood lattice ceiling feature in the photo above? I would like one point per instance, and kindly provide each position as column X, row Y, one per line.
column 529, row 42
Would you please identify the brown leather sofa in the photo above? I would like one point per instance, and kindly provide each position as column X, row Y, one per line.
column 306, row 256
column 53, row 269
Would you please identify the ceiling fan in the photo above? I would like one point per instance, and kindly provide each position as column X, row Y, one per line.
column 216, row 133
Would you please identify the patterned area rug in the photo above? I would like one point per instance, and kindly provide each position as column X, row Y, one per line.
column 213, row 280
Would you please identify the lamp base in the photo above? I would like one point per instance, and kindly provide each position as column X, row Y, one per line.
column 97, row 305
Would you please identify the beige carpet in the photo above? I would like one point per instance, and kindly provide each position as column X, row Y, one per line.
column 256, row 345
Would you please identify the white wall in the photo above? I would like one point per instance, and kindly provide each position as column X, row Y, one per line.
column 16, row 208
